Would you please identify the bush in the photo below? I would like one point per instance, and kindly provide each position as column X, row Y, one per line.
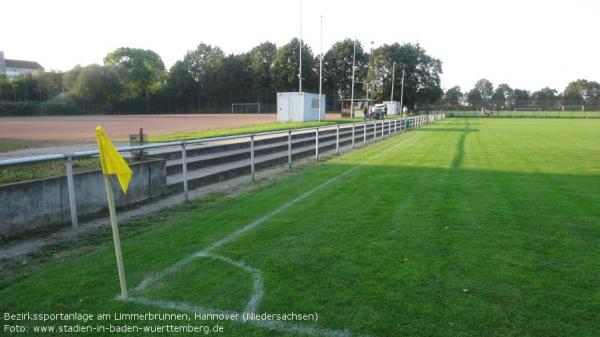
column 55, row 106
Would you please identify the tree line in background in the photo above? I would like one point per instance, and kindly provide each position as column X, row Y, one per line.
column 136, row 81
column 578, row 95
column 206, row 79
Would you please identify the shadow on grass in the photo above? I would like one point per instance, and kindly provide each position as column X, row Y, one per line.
column 445, row 129
column 460, row 148
column 404, row 250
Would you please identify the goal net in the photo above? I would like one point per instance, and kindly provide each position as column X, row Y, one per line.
column 245, row 107
column 528, row 109
column 576, row 107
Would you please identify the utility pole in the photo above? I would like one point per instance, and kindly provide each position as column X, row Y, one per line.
column 370, row 70
column 300, row 53
column 393, row 79
column 402, row 92
column 353, row 69
column 321, row 72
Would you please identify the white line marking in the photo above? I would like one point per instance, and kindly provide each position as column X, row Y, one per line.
column 255, row 299
column 269, row 324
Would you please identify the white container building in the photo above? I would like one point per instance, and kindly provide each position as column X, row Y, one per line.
column 393, row 107
column 299, row 107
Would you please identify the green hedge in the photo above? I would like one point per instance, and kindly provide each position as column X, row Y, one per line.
column 29, row 108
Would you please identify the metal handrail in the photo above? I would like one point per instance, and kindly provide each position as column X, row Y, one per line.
column 409, row 122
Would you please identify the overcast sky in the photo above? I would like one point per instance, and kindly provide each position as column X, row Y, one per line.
column 525, row 43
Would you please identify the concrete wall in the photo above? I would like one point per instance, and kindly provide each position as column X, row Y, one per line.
column 37, row 203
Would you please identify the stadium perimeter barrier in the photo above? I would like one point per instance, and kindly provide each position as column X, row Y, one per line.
column 325, row 137
column 526, row 113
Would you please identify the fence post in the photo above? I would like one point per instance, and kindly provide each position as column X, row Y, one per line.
column 352, row 135
column 71, row 188
column 252, row 157
column 317, row 144
column 383, row 128
column 396, row 125
column 289, row 149
column 337, row 139
column 375, row 130
column 184, row 170
column 365, row 133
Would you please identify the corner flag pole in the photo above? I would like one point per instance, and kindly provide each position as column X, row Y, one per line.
column 115, row 232
column 113, row 164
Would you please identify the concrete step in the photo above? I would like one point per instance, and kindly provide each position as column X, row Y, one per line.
column 216, row 166
column 174, row 166
column 228, row 170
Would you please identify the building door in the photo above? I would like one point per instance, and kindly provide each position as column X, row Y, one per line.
column 284, row 109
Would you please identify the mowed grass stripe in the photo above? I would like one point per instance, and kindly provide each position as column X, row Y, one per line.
column 453, row 232
column 487, row 240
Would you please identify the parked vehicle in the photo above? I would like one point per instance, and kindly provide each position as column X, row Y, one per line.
column 379, row 111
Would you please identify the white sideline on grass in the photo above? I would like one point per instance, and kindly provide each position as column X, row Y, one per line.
column 255, row 299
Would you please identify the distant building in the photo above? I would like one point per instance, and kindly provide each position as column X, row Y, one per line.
column 13, row 68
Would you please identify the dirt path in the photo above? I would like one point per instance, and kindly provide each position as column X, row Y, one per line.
column 67, row 134
column 81, row 128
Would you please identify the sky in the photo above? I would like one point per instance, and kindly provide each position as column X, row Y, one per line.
column 528, row 44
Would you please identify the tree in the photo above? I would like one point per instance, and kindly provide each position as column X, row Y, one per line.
column 422, row 74
column 285, row 68
column 99, row 85
column 337, row 68
column 260, row 61
column 485, row 87
column 544, row 98
column 50, row 84
column 474, row 98
column 453, row 96
column 26, row 87
column 503, row 96
column 581, row 91
column 234, row 81
column 181, row 86
column 203, row 65
column 145, row 70
column 521, row 98
column 6, row 88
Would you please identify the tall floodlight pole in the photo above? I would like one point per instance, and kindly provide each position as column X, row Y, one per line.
column 393, row 79
column 321, row 72
column 370, row 69
column 300, row 53
column 402, row 92
column 353, row 68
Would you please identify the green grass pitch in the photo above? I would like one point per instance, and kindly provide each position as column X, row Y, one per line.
column 465, row 227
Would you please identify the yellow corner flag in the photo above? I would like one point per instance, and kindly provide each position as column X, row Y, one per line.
column 111, row 160
column 113, row 163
